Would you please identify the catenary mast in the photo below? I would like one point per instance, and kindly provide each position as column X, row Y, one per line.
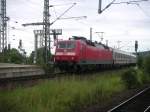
column 3, row 25
column 46, row 28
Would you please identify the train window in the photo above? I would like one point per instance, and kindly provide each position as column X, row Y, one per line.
column 66, row 45
column 62, row 45
column 71, row 45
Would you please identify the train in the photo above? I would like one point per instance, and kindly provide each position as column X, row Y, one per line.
column 79, row 54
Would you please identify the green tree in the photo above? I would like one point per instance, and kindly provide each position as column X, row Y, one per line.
column 12, row 56
column 146, row 64
column 16, row 57
column 130, row 78
column 30, row 59
column 140, row 62
column 40, row 56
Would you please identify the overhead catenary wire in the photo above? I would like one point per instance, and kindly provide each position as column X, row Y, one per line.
column 63, row 13
column 107, row 6
column 143, row 10
column 114, row 2
column 130, row 2
column 61, row 4
column 33, row 3
column 135, row 2
column 55, row 12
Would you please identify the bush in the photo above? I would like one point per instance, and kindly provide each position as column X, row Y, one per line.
column 142, row 77
column 140, row 62
column 146, row 64
column 130, row 78
column 12, row 56
column 48, row 68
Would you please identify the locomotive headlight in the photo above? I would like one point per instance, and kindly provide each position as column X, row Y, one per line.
column 71, row 53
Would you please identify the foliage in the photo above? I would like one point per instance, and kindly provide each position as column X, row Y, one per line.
column 130, row 79
column 49, row 68
column 40, row 60
column 40, row 56
column 133, row 78
column 143, row 78
column 146, row 64
column 68, row 94
column 30, row 59
column 12, row 56
column 140, row 62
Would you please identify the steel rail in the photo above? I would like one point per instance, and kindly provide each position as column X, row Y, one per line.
column 130, row 99
column 147, row 109
column 33, row 77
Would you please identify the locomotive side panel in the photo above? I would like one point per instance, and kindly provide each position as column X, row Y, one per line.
column 95, row 55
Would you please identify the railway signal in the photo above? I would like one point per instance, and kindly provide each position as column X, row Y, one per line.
column 136, row 46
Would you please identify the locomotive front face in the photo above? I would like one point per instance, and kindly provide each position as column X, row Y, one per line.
column 65, row 51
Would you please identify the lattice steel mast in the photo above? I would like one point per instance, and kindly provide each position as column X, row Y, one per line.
column 46, row 28
column 3, row 26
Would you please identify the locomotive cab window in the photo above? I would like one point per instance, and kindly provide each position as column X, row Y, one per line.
column 62, row 45
column 71, row 45
column 66, row 45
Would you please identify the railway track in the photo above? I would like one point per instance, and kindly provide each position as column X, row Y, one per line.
column 30, row 77
column 26, row 81
column 138, row 103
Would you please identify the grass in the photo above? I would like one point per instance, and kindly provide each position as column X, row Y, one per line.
column 69, row 94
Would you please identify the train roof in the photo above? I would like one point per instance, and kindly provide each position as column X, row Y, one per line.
column 89, row 42
column 123, row 52
column 98, row 45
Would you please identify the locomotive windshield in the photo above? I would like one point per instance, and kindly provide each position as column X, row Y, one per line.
column 66, row 45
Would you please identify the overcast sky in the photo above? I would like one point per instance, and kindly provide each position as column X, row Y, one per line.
column 124, row 23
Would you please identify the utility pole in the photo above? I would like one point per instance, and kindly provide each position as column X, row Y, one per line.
column 118, row 44
column 36, row 33
column 39, row 41
column 3, row 26
column 101, row 37
column 90, row 34
column 106, row 42
column 46, row 29
column 100, row 10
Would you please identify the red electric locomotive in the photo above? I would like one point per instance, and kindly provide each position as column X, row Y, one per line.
column 78, row 53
